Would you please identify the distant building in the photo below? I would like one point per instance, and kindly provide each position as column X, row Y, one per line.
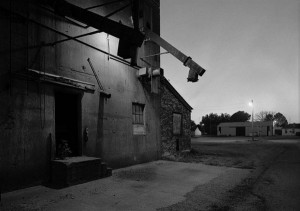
column 197, row 132
column 245, row 129
column 277, row 130
column 175, row 118
column 291, row 130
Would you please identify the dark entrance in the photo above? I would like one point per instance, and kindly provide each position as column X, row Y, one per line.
column 67, row 107
column 177, row 144
column 240, row 131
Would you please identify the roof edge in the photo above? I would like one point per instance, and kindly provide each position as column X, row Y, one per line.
column 174, row 91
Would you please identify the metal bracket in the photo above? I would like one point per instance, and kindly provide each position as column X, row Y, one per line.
column 186, row 61
column 102, row 91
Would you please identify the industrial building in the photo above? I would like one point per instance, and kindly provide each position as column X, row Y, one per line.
column 79, row 79
column 245, row 129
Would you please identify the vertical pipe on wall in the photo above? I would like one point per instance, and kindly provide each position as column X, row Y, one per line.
column 42, row 94
column 10, row 46
column 27, row 47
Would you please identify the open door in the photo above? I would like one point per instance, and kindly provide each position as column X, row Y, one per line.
column 67, row 110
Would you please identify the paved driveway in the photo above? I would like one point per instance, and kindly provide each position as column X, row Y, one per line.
column 142, row 187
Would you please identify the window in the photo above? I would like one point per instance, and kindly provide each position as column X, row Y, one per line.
column 138, row 119
column 138, row 113
column 176, row 124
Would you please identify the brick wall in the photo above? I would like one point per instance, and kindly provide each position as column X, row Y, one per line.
column 170, row 104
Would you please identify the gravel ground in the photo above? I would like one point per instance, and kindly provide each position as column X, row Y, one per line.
column 208, row 196
column 262, row 189
column 237, row 175
column 148, row 186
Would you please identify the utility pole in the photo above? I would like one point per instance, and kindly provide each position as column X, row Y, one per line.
column 252, row 105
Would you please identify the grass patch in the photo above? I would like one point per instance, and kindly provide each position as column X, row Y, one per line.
column 212, row 155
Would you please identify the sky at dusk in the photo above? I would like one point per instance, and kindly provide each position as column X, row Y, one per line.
column 250, row 49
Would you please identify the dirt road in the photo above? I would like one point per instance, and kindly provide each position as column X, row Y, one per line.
column 277, row 186
column 273, row 183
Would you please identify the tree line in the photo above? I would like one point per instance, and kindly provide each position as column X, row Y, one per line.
column 209, row 122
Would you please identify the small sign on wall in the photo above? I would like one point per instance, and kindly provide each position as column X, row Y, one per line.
column 139, row 130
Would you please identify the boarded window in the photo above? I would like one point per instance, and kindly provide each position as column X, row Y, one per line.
column 177, row 123
column 138, row 113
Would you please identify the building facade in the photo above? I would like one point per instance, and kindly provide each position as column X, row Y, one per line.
column 245, row 129
column 291, row 130
column 197, row 132
column 175, row 120
column 62, row 82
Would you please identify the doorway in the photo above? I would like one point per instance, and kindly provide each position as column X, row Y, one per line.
column 67, row 110
column 240, row 131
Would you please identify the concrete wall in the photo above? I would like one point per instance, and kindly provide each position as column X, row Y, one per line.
column 170, row 104
column 27, row 114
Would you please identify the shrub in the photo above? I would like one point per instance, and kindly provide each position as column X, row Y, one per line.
column 63, row 150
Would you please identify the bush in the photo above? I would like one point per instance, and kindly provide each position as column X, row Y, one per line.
column 63, row 150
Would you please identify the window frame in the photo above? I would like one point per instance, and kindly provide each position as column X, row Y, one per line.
column 138, row 113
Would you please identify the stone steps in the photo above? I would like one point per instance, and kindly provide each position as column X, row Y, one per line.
column 76, row 170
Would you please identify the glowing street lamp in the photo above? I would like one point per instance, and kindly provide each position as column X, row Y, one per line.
column 252, row 105
column 274, row 126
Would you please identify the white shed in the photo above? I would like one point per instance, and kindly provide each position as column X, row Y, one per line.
column 197, row 132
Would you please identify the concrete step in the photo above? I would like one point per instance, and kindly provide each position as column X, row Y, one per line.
column 76, row 170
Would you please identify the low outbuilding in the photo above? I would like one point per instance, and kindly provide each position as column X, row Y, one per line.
column 291, row 130
column 197, row 132
column 245, row 129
